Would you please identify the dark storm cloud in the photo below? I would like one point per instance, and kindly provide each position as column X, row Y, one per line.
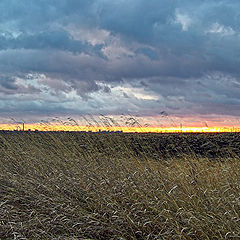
column 202, row 33
column 185, row 53
column 59, row 40
column 8, row 83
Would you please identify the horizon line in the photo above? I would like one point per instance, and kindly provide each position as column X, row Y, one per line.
column 126, row 129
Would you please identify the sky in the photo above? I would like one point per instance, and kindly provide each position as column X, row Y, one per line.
column 151, row 58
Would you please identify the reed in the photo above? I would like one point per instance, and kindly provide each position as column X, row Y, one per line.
column 112, row 186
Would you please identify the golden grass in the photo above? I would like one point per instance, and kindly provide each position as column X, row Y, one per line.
column 53, row 189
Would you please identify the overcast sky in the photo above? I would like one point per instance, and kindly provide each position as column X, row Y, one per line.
column 70, row 57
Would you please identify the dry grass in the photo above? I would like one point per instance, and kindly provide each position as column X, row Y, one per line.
column 53, row 189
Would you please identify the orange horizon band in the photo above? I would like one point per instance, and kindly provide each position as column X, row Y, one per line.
column 49, row 127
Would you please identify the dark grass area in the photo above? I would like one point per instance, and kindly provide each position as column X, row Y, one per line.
column 211, row 145
column 119, row 186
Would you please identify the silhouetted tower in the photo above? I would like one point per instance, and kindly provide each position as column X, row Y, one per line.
column 23, row 126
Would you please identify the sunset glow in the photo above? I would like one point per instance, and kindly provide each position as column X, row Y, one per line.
column 39, row 127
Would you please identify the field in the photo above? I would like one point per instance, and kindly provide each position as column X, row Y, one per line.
column 76, row 185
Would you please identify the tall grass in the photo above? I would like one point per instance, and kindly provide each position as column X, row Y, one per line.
column 93, row 186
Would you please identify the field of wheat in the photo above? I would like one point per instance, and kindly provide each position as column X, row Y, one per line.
column 119, row 186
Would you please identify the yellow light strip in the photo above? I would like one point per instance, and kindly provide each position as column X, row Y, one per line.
column 51, row 127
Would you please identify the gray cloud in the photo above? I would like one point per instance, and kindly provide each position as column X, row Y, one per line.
column 179, row 56
column 59, row 40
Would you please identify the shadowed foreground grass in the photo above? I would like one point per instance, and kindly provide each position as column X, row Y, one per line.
column 51, row 188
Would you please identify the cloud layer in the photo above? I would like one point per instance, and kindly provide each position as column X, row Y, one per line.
column 112, row 57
